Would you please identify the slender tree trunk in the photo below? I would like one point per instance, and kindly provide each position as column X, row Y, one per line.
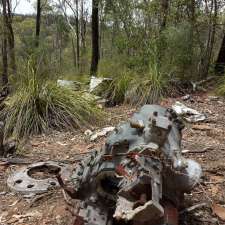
column 4, row 62
column 192, row 21
column 83, row 37
column 11, row 40
column 211, row 39
column 101, row 33
column 4, row 46
column 220, row 62
column 95, row 38
column 164, row 14
column 78, row 35
column 1, row 139
column 38, row 23
column 191, row 41
column 83, row 43
column 74, row 53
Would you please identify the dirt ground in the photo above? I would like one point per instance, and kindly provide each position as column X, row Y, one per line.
column 204, row 142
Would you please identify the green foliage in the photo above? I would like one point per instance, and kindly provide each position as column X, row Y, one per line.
column 221, row 88
column 38, row 106
column 148, row 89
column 111, row 68
column 117, row 89
column 180, row 56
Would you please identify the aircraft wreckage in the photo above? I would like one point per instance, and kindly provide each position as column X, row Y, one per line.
column 138, row 177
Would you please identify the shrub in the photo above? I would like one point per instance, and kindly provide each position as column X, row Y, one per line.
column 148, row 89
column 221, row 88
column 38, row 106
column 114, row 91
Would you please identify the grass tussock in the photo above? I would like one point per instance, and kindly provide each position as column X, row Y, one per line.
column 115, row 91
column 148, row 89
column 135, row 89
column 221, row 88
column 37, row 106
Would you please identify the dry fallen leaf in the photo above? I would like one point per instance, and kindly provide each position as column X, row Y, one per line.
column 214, row 190
column 215, row 187
column 219, row 211
column 3, row 166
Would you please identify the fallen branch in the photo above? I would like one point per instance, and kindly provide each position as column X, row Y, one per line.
column 192, row 208
column 196, row 151
column 14, row 161
column 214, row 182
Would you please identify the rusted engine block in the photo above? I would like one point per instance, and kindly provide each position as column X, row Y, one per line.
column 139, row 176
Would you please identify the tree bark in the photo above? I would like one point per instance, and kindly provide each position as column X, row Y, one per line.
column 4, row 62
column 11, row 39
column 38, row 23
column 220, row 62
column 78, row 35
column 4, row 46
column 95, row 38
column 206, row 59
column 83, row 28
column 164, row 14
column 1, row 138
column 74, row 53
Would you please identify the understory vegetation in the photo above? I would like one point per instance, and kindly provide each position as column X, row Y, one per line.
column 221, row 87
column 38, row 105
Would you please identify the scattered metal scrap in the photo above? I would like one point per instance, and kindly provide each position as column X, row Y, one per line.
column 97, row 81
column 26, row 180
column 73, row 85
column 189, row 114
column 95, row 135
column 139, row 176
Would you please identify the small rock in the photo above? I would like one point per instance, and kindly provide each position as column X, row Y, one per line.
column 186, row 97
column 88, row 133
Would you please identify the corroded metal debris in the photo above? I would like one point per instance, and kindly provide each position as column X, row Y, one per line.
column 139, row 176
column 38, row 177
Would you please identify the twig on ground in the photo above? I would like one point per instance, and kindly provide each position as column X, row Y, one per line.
column 196, row 151
column 192, row 208
column 14, row 161
column 214, row 182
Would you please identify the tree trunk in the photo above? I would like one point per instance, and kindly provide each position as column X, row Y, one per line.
column 191, row 40
column 164, row 14
column 95, row 38
column 78, row 35
column 74, row 53
column 11, row 39
column 1, row 138
column 38, row 23
column 220, row 62
column 4, row 62
column 211, row 39
column 4, row 46
column 83, row 27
